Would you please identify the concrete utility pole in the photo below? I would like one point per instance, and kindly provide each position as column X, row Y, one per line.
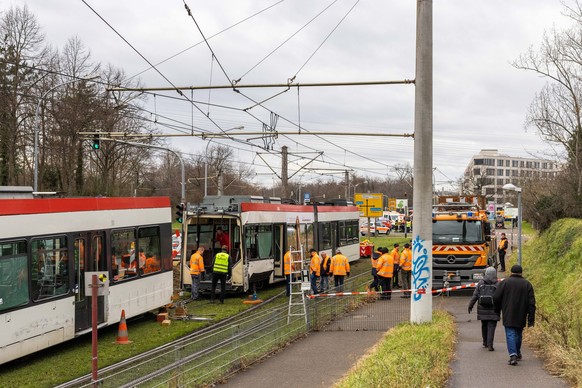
column 284, row 173
column 421, row 303
column 347, row 185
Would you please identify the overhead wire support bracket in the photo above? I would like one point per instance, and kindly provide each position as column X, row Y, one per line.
column 248, row 86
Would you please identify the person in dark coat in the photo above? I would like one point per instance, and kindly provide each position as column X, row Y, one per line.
column 485, row 313
column 516, row 300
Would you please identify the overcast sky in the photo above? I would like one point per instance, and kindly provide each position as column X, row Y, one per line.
column 480, row 100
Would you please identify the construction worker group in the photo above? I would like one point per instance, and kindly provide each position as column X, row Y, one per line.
column 389, row 268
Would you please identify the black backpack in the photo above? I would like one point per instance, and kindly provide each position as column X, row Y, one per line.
column 486, row 292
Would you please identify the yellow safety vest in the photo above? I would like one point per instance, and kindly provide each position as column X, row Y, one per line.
column 221, row 263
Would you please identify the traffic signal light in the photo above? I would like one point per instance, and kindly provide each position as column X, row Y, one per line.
column 96, row 143
column 180, row 213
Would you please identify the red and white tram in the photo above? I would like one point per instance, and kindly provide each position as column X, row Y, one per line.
column 47, row 245
column 258, row 231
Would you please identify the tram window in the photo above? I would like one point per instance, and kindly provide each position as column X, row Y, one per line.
column 307, row 235
column 148, row 244
column 324, row 235
column 13, row 274
column 49, row 271
column 97, row 254
column 258, row 241
column 343, row 233
column 123, row 261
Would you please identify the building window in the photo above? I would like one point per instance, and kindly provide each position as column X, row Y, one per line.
column 478, row 162
column 500, row 162
column 507, row 172
column 507, row 163
column 514, row 163
column 514, row 173
column 490, row 171
column 476, row 171
column 545, row 165
column 500, row 182
column 521, row 163
column 500, row 172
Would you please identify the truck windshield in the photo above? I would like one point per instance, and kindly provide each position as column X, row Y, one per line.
column 457, row 232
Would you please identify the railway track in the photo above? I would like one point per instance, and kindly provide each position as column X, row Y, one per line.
column 156, row 353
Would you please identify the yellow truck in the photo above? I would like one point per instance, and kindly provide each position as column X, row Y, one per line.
column 462, row 246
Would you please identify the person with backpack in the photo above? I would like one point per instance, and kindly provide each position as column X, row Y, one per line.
column 483, row 296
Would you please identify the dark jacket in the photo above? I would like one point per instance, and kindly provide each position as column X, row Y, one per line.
column 484, row 313
column 515, row 298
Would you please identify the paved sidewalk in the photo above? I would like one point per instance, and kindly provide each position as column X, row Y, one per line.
column 322, row 358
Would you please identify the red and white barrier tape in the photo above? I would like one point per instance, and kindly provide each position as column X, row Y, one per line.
column 419, row 291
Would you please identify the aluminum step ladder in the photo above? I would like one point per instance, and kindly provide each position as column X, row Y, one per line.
column 297, row 302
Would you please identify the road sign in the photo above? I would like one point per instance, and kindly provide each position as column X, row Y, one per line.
column 370, row 204
column 392, row 204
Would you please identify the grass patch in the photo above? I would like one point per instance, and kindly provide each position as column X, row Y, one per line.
column 409, row 355
column 553, row 263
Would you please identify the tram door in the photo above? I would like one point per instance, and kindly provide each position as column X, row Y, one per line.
column 334, row 237
column 279, row 251
column 89, row 256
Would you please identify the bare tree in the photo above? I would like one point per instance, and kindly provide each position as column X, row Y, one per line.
column 21, row 43
column 556, row 110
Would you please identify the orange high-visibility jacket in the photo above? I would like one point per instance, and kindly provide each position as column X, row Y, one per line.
column 385, row 266
column 395, row 256
column 373, row 261
column 406, row 260
column 315, row 264
column 340, row 265
column 196, row 264
column 288, row 265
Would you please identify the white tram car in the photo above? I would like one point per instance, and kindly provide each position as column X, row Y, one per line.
column 47, row 245
column 258, row 231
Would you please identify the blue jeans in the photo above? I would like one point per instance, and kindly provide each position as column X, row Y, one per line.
column 339, row 282
column 324, row 283
column 314, row 279
column 195, row 286
column 513, row 336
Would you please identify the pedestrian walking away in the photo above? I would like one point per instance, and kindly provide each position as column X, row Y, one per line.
column 221, row 267
column 196, row 270
column 340, row 267
column 516, row 301
column 406, row 269
column 483, row 296
column 396, row 258
column 502, row 250
column 314, row 270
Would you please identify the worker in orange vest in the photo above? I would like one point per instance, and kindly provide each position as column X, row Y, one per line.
column 374, row 261
column 196, row 270
column 406, row 269
column 340, row 267
column 396, row 257
column 314, row 270
column 385, row 267
column 288, row 267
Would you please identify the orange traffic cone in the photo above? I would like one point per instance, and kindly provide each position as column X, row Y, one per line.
column 122, row 337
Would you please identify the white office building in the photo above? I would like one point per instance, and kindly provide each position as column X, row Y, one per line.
column 488, row 171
